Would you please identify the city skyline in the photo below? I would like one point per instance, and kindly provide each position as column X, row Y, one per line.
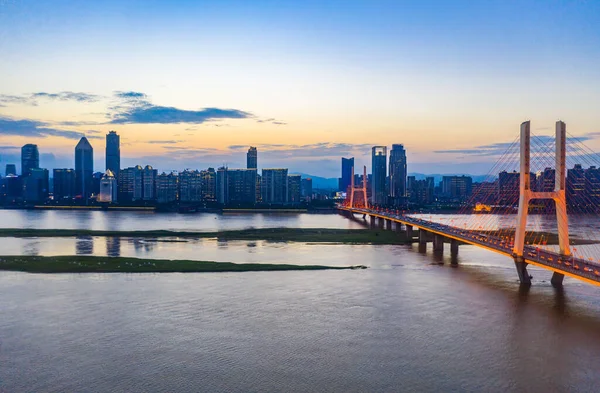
column 235, row 75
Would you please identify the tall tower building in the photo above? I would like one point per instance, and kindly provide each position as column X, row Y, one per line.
column 397, row 173
column 346, row 179
column 113, row 153
column 11, row 169
column 379, row 174
column 252, row 158
column 84, row 168
column 30, row 159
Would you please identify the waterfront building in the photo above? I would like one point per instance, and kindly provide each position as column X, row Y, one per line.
column 63, row 180
column 190, row 186
column 398, row 174
column 209, row 185
column 274, row 186
column 576, row 187
column 508, row 188
column 241, row 184
column 30, row 159
column 252, row 158
column 130, row 182
column 379, row 165
column 457, row 188
column 113, row 153
column 149, row 183
column 10, row 189
column 84, row 168
column 346, row 180
column 294, row 189
column 420, row 192
column 108, row 188
column 167, row 187
column 221, row 185
column 35, row 185
column 96, row 179
column 306, row 188
column 592, row 177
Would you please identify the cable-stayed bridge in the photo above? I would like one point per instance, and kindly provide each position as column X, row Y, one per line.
column 533, row 181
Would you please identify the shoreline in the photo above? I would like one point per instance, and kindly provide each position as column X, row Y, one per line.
column 311, row 235
column 101, row 264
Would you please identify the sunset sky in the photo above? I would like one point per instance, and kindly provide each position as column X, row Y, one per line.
column 192, row 84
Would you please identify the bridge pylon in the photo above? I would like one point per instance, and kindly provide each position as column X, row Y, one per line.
column 362, row 188
column 526, row 195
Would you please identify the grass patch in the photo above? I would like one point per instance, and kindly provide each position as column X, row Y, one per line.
column 98, row 264
column 350, row 236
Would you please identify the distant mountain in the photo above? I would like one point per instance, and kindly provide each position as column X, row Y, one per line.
column 438, row 177
column 321, row 183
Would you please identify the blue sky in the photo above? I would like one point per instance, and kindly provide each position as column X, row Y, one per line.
column 306, row 81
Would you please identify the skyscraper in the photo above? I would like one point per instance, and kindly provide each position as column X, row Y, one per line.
column 30, row 159
column 108, row 188
column 252, row 158
column 294, row 189
column 64, row 184
column 346, row 179
column 113, row 153
column 378, row 161
column 274, row 186
column 84, row 168
column 397, row 173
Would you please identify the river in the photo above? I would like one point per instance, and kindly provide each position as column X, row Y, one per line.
column 411, row 322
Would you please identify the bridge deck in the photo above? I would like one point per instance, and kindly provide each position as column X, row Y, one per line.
column 569, row 266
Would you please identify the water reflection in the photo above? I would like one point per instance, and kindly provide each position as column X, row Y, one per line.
column 113, row 246
column 84, row 245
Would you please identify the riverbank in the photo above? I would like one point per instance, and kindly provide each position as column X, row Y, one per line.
column 99, row 264
column 316, row 235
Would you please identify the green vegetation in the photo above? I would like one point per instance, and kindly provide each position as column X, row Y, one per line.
column 97, row 264
column 351, row 236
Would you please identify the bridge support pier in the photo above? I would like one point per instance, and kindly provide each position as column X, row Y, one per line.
column 409, row 232
column 521, row 266
column 454, row 247
column 398, row 227
column 380, row 222
column 388, row 225
column 438, row 242
column 372, row 221
column 557, row 279
column 422, row 236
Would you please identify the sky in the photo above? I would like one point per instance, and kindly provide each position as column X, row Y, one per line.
column 192, row 84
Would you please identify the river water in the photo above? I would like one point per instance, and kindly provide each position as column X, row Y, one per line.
column 411, row 322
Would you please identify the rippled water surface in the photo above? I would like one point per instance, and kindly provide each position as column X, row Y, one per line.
column 412, row 322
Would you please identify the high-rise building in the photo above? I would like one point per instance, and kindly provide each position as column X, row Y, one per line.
column 398, row 174
column 252, row 158
column 456, row 187
column 508, row 188
column 113, row 153
column 96, row 179
column 379, row 165
column 294, row 189
column 576, row 187
column 35, row 185
column 346, row 179
column 84, row 168
column 221, row 186
column 190, row 186
column 63, row 181
column 30, row 158
column 241, row 184
column 274, row 186
column 11, row 169
column 149, row 183
column 420, row 192
column 131, row 185
column 167, row 187
column 108, row 188
column 10, row 189
column 307, row 189
column 209, row 185
column 592, row 178
column 485, row 192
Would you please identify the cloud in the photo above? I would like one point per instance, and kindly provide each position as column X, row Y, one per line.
column 130, row 95
column 150, row 114
column 68, row 96
column 32, row 99
column 272, row 121
column 33, row 128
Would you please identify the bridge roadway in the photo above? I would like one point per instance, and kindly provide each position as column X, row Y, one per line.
column 569, row 266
